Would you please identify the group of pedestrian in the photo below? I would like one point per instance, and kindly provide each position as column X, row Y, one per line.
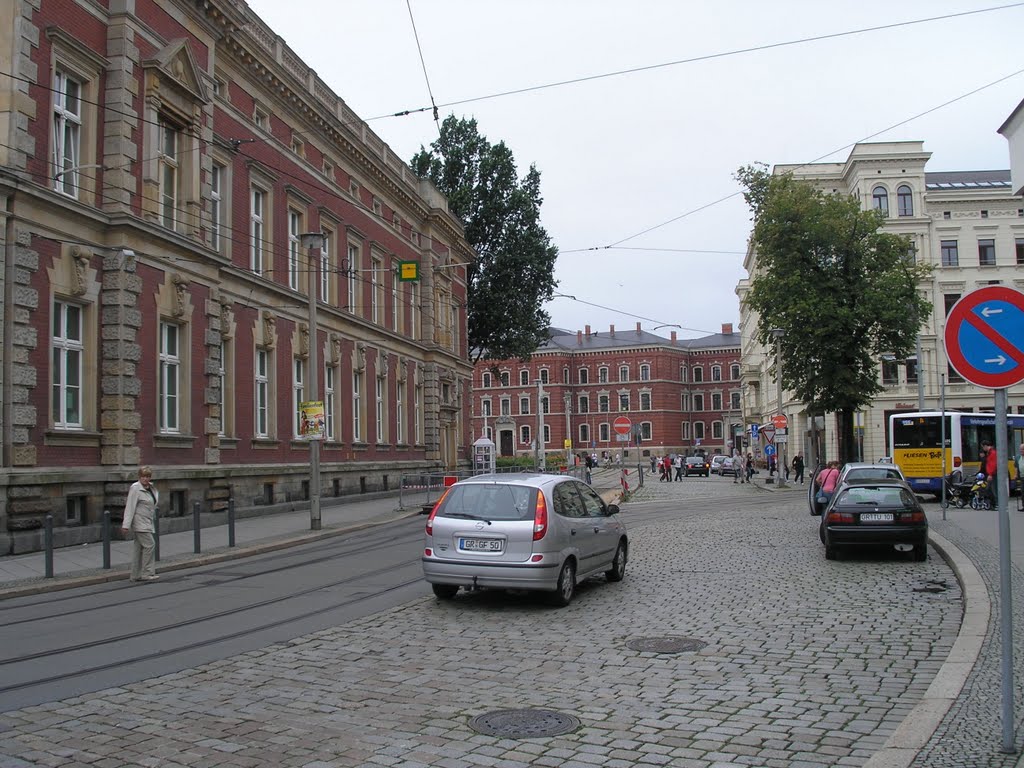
column 669, row 467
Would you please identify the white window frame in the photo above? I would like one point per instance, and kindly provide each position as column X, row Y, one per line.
column 261, row 378
column 353, row 265
column 294, row 230
column 298, row 393
column 68, row 356
column 217, row 176
column 325, row 269
column 169, row 375
column 645, row 372
column 375, row 266
column 257, row 227
column 67, row 132
column 399, row 412
column 169, row 173
column 329, row 374
column 394, row 297
column 357, row 387
column 379, row 407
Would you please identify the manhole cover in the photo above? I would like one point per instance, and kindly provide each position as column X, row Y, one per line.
column 664, row 644
column 524, row 723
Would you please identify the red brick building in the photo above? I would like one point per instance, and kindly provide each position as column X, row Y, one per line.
column 161, row 160
column 680, row 395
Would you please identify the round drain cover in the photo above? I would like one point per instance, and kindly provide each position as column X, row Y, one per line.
column 664, row 644
column 524, row 723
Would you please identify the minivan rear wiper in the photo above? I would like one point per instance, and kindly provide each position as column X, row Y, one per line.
column 466, row 516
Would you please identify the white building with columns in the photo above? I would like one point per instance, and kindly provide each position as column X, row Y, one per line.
column 969, row 225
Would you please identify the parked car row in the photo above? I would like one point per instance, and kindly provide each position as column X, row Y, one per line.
column 871, row 505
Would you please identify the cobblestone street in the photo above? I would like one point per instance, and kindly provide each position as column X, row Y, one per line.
column 806, row 663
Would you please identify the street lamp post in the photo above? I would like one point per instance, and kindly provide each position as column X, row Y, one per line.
column 313, row 241
column 777, row 334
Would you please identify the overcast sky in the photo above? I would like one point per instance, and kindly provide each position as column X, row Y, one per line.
column 624, row 154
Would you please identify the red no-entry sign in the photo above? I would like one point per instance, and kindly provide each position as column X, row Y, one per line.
column 622, row 425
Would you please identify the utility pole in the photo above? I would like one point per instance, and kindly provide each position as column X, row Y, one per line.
column 311, row 241
column 780, row 461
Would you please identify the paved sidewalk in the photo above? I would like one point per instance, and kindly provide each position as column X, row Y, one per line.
column 82, row 564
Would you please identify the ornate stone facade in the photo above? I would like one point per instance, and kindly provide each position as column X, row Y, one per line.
column 153, row 311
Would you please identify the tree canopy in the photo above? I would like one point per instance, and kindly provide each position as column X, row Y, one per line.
column 844, row 292
column 514, row 274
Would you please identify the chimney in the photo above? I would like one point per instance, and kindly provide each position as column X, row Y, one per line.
column 579, row 338
column 673, row 338
column 586, row 330
column 611, row 330
column 638, row 327
column 726, row 328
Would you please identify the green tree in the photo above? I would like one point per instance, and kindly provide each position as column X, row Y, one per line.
column 513, row 276
column 843, row 292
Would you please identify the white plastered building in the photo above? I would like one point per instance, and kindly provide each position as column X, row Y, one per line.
column 967, row 224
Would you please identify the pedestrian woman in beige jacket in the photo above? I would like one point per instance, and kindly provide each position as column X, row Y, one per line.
column 139, row 516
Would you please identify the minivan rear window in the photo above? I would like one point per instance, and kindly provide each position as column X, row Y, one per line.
column 490, row 501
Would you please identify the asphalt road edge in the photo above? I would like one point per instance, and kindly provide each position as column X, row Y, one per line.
column 918, row 727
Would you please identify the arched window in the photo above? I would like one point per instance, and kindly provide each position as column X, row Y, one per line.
column 880, row 199
column 904, row 201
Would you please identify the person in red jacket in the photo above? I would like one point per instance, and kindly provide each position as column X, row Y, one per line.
column 990, row 466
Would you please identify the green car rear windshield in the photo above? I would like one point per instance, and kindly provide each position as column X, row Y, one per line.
column 490, row 502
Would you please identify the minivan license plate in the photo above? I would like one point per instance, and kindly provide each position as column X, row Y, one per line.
column 480, row 545
column 876, row 517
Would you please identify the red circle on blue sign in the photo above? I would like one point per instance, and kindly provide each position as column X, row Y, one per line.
column 985, row 337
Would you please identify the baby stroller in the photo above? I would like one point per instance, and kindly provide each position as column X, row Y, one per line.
column 958, row 492
column 980, row 498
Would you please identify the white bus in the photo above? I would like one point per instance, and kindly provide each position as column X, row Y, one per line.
column 915, row 444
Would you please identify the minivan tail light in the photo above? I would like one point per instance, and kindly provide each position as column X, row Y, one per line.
column 433, row 512
column 540, row 517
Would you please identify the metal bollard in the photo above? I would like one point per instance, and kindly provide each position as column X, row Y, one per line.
column 231, row 522
column 106, row 539
column 48, row 545
column 156, row 534
column 195, row 527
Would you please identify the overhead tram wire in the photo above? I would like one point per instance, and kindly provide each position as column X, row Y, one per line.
column 423, row 64
column 237, row 235
column 694, row 59
column 435, row 107
column 809, row 162
column 630, row 314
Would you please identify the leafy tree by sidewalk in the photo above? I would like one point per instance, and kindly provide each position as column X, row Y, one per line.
column 844, row 292
column 514, row 274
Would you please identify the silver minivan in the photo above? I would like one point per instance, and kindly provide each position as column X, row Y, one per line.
column 522, row 531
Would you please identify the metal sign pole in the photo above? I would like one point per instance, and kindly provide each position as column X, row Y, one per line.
column 1005, row 601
